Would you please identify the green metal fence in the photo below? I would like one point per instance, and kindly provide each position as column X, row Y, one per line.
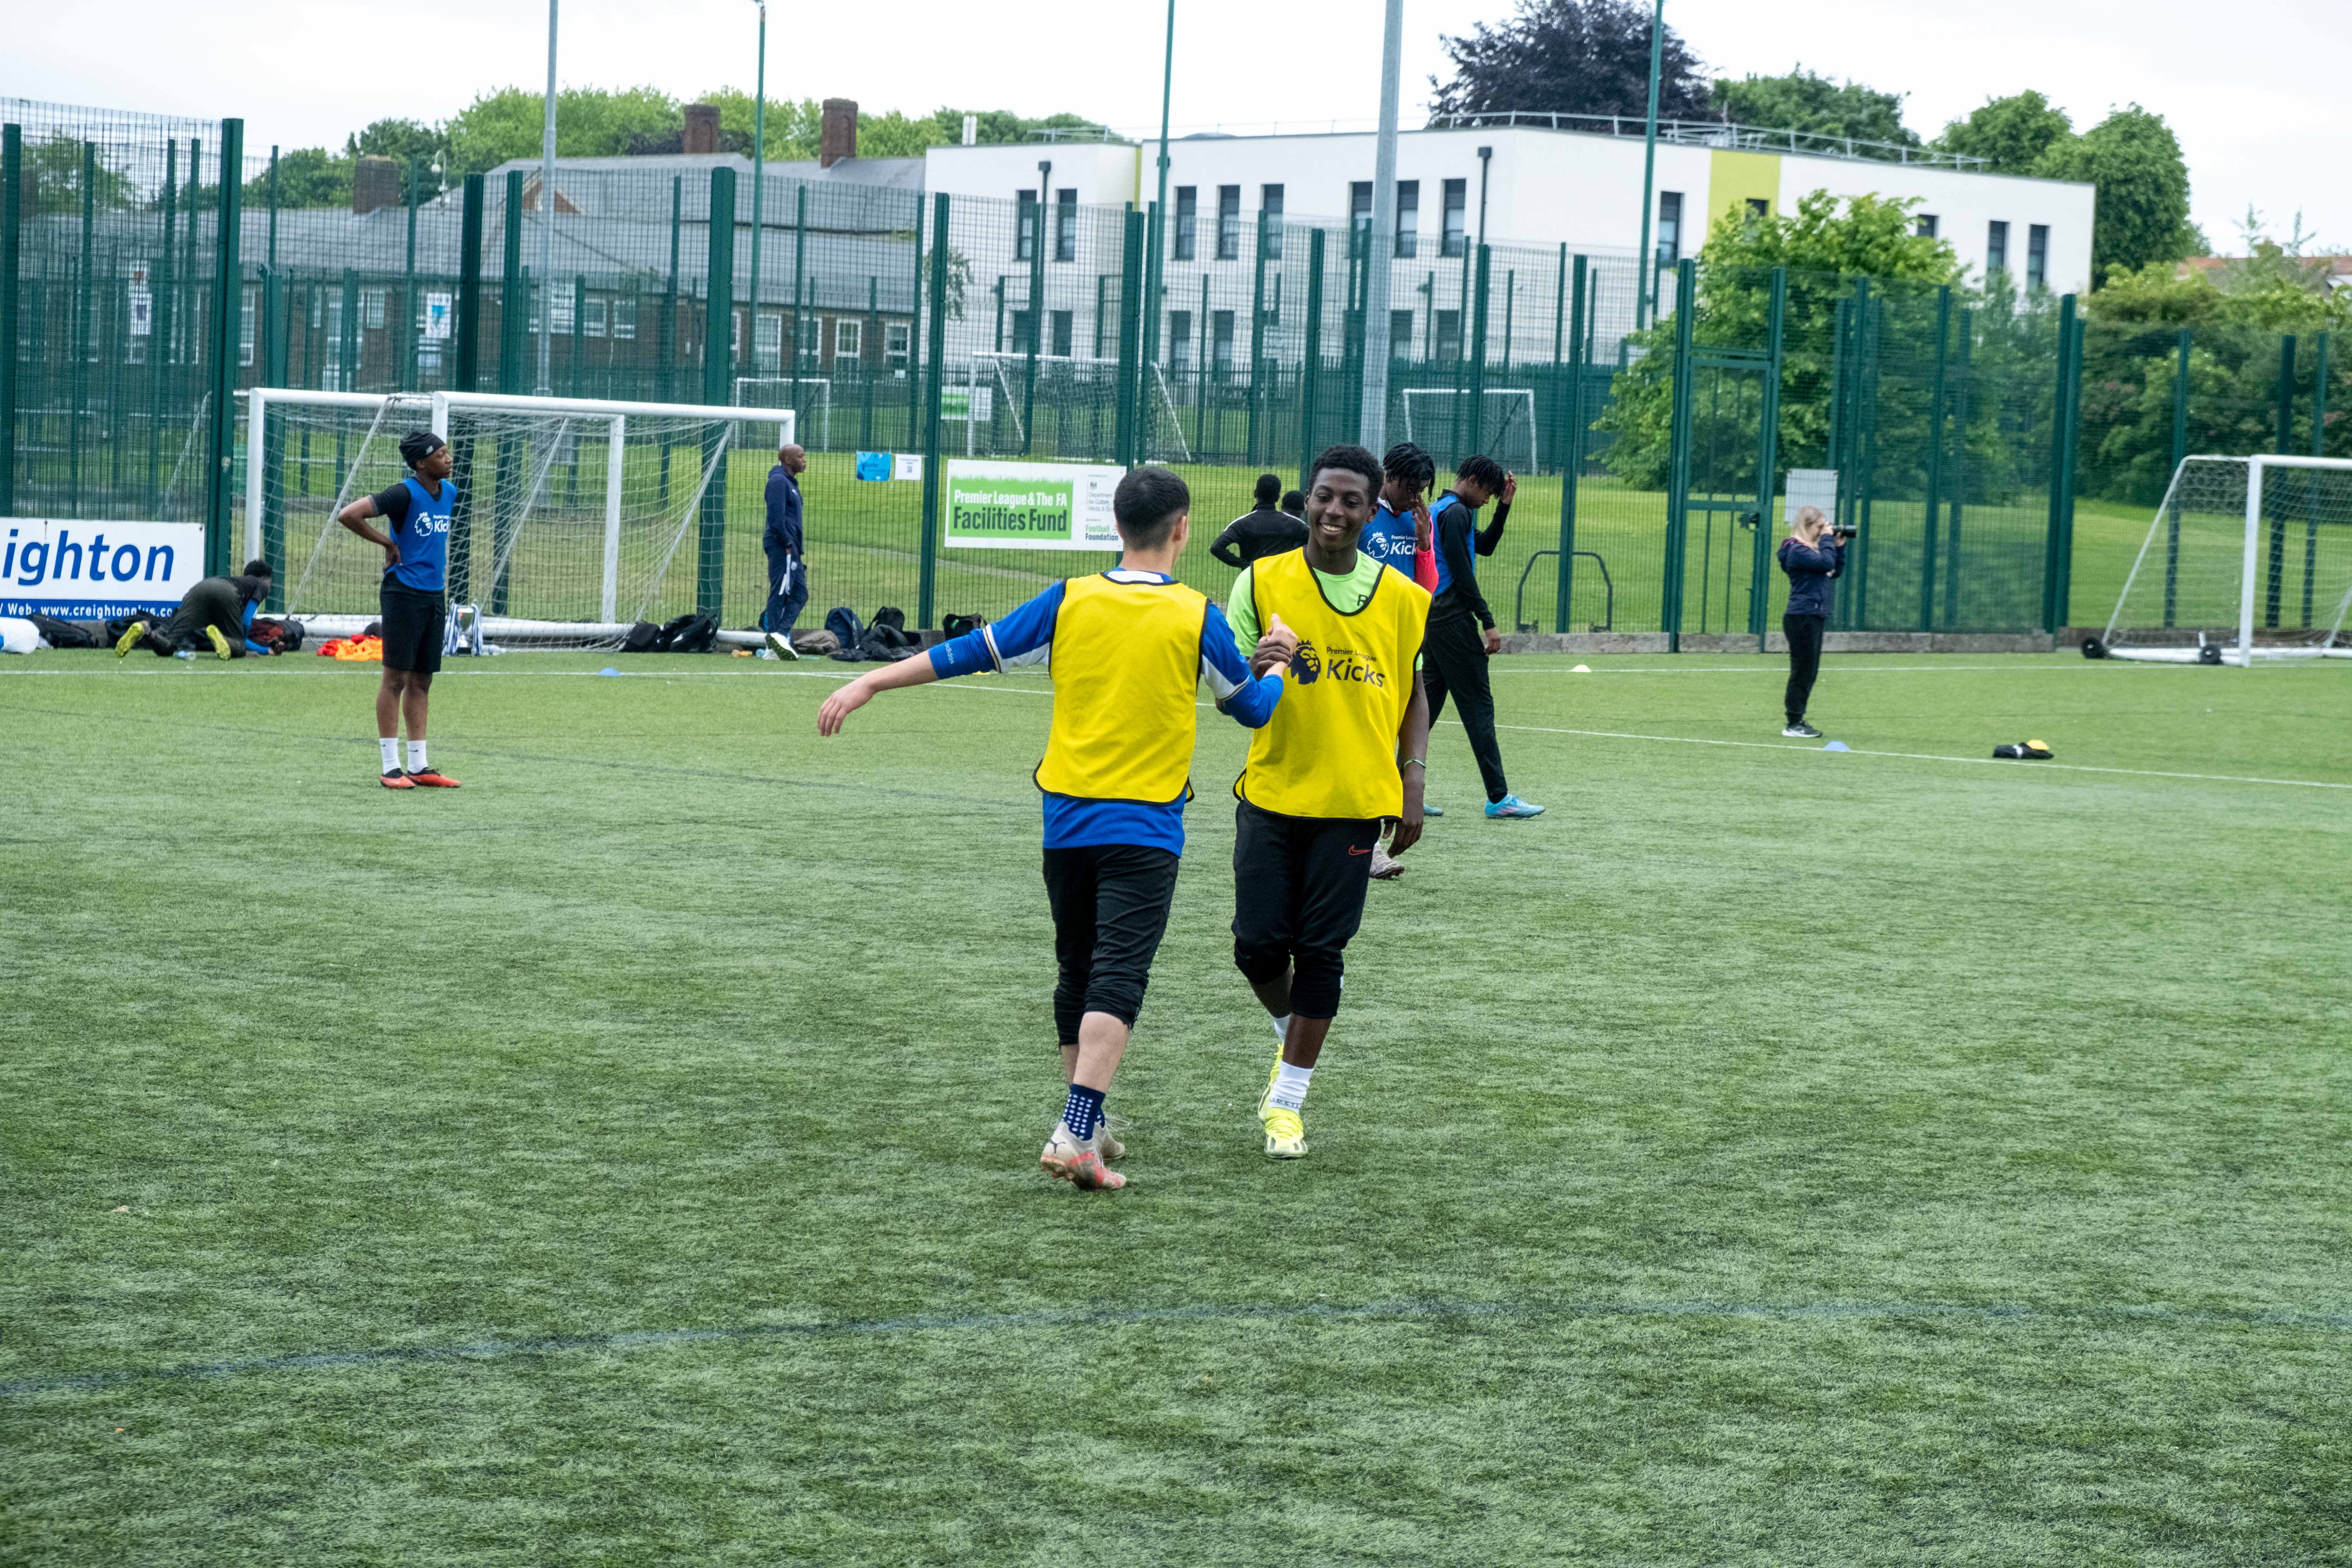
column 142, row 291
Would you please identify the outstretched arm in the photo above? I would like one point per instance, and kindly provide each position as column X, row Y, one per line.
column 859, row 693
column 1413, row 753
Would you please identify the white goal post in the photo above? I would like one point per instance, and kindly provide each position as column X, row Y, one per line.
column 2248, row 560
column 574, row 509
column 1507, row 432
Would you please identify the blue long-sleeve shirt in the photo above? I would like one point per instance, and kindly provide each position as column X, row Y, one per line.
column 784, row 532
column 1810, row 569
column 1027, row 637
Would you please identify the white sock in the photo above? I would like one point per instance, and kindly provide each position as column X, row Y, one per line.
column 415, row 756
column 1290, row 1087
column 391, row 744
column 1282, row 1026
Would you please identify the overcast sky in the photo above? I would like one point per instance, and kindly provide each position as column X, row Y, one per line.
column 2256, row 89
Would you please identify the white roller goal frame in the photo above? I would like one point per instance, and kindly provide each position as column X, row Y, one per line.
column 565, row 418
column 2201, row 565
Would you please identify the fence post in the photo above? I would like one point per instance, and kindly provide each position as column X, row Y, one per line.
column 1934, row 463
column 1573, row 463
column 1257, row 337
column 2179, row 455
column 514, row 299
column 927, row 591
column 666, row 344
column 466, row 376
column 228, row 322
column 1310, row 369
column 717, row 385
column 2066, row 478
column 12, row 175
column 1679, row 459
column 800, row 270
column 2053, row 535
column 1768, row 457
column 1036, row 317
column 2311, row 490
column 1477, row 360
column 1128, row 403
column 2274, row 575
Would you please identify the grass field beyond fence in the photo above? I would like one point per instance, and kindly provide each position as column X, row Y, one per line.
column 1766, row 1156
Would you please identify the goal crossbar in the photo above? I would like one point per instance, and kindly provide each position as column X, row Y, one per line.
column 608, row 416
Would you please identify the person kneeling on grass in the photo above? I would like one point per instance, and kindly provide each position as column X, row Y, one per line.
column 416, row 612
column 1344, row 754
column 218, row 610
column 1128, row 648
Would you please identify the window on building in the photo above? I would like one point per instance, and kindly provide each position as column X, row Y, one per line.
column 1022, row 342
column 896, row 337
column 1996, row 247
column 1359, row 205
column 1220, row 342
column 1269, row 219
column 1025, row 226
column 1449, row 336
column 559, row 305
column 1670, row 228
column 849, row 341
column 1400, row 335
column 1064, row 330
column 1187, row 223
column 1758, row 207
column 1408, row 217
column 808, row 334
column 592, row 318
column 624, row 318
column 372, row 308
column 1455, row 239
column 246, row 327
column 1925, row 225
column 1066, row 223
column 768, row 343
column 1180, row 339
column 1229, row 223
column 2037, row 256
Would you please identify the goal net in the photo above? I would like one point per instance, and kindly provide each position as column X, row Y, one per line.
column 575, row 516
column 2247, row 559
column 1068, row 389
column 1438, row 417
column 809, row 398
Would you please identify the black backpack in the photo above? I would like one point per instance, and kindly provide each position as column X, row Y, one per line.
column 687, row 634
column 891, row 616
column 641, row 638
column 956, row 626
column 65, row 634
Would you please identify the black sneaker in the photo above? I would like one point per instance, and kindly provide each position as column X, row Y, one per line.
column 1801, row 730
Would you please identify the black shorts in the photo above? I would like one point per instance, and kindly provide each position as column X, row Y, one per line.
column 414, row 627
column 1298, row 897
column 1110, row 909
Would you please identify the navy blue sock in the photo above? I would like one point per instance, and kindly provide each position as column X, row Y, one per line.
column 1084, row 1112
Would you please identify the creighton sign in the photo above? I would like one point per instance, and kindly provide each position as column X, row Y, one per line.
column 1030, row 506
column 77, row 570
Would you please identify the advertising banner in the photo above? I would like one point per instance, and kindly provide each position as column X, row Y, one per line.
column 1030, row 506
column 80, row 570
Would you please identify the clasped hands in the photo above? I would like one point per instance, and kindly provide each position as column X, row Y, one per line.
column 1275, row 647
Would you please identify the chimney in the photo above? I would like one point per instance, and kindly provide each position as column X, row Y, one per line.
column 376, row 183
column 836, row 136
column 702, row 128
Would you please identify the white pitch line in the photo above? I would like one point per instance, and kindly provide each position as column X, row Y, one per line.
column 1924, row 757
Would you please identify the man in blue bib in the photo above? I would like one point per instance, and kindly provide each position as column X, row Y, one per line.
column 415, row 611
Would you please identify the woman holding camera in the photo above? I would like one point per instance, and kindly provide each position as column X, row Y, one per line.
column 1812, row 555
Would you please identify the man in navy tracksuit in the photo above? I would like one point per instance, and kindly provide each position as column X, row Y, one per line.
column 787, row 574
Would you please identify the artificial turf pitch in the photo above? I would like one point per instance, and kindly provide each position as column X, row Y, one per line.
column 630, row 1157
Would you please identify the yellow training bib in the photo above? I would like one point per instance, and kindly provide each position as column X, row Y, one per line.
column 1125, row 667
column 1330, row 749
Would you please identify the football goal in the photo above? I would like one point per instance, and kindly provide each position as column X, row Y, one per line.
column 2248, row 559
column 808, row 397
column 575, row 516
column 1438, row 417
column 1073, row 380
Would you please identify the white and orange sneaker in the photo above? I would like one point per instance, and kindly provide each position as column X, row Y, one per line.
column 1075, row 1159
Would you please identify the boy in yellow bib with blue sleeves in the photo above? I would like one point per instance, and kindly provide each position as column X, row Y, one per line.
column 1128, row 649
column 1343, row 754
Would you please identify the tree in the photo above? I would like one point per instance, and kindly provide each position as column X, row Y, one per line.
column 1825, row 244
column 1805, row 102
column 2011, row 134
column 1569, row 57
column 307, row 177
column 590, row 122
column 2135, row 161
column 399, row 140
column 53, row 178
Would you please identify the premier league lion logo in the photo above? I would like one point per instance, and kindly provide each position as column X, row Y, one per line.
column 1306, row 665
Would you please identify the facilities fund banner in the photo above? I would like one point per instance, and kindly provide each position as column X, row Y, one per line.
column 86, row 570
column 1031, row 506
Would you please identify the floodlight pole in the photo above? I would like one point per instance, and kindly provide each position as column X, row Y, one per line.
column 1645, row 264
column 1373, row 421
column 759, row 192
column 547, row 215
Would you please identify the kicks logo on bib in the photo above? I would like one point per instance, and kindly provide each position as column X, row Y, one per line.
column 1306, row 665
